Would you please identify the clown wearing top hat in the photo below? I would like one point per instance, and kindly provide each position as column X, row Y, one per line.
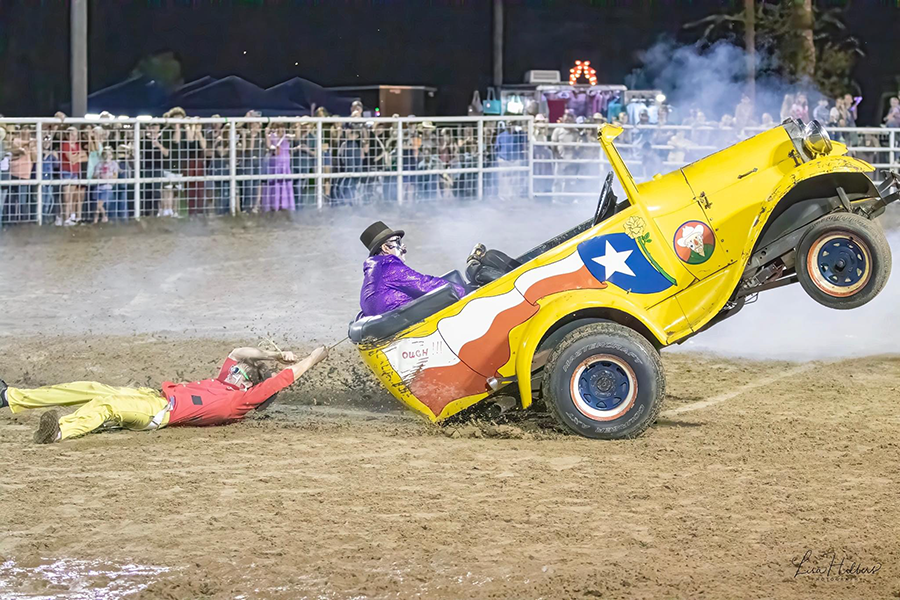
column 388, row 283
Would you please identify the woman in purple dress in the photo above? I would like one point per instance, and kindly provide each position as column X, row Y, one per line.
column 278, row 193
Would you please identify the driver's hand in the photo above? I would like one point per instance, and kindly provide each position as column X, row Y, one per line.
column 287, row 357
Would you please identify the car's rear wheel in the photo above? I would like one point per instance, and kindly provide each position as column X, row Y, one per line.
column 604, row 381
column 843, row 261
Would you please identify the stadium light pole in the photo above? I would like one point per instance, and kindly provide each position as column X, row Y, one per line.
column 79, row 56
column 498, row 43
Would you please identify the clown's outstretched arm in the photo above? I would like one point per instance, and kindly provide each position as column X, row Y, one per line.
column 316, row 356
column 253, row 354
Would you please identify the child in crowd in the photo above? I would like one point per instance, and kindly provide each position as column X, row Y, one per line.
column 893, row 116
column 107, row 168
column 123, row 191
column 50, row 165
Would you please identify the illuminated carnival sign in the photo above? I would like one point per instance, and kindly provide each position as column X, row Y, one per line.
column 582, row 67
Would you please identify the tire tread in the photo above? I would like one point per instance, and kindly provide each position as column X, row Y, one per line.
column 881, row 259
column 612, row 330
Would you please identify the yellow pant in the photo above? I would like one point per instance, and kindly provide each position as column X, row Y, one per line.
column 98, row 404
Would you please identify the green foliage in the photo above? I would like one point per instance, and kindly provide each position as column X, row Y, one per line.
column 780, row 42
column 834, row 66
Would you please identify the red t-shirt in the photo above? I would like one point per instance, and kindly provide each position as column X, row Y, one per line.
column 214, row 402
column 68, row 164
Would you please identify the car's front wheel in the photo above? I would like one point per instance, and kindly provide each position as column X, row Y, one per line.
column 604, row 381
column 843, row 261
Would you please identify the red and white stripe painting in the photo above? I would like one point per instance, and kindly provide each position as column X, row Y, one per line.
column 432, row 372
column 569, row 273
column 479, row 334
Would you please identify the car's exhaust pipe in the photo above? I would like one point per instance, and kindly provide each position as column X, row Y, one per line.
column 496, row 383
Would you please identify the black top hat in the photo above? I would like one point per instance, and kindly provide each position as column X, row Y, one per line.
column 376, row 234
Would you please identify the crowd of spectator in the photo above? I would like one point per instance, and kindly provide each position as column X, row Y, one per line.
column 566, row 154
column 185, row 167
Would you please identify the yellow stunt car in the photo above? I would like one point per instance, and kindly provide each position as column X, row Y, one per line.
column 580, row 319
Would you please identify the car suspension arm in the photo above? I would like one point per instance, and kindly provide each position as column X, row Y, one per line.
column 771, row 285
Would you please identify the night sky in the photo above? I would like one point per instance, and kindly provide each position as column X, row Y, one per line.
column 443, row 43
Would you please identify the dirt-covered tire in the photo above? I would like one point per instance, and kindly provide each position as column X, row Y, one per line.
column 843, row 261
column 604, row 381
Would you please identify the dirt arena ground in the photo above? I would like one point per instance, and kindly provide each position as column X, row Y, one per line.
column 757, row 476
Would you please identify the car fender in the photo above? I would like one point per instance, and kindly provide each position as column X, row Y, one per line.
column 559, row 306
column 823, row 165
column 844, row 168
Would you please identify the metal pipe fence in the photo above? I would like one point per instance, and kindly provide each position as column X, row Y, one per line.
column 569, row 164
column 81, row 170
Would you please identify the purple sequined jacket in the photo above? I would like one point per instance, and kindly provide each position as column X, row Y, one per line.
column 388, row 284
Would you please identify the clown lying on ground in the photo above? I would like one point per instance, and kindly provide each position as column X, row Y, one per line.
column 242, row 385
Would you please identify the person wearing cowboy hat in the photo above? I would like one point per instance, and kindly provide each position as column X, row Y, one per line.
column 388, row 283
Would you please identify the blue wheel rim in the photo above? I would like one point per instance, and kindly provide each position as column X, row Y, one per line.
column 604, row 385
column 842, row 262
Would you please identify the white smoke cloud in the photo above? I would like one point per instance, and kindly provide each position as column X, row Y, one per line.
column 711, row 79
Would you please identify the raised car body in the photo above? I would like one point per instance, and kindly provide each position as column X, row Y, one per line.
column 684, row 251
